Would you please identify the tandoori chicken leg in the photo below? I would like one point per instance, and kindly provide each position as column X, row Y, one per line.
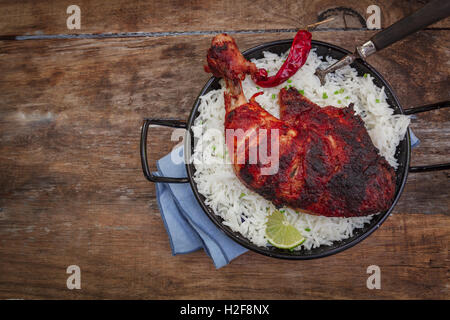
column 326, row 162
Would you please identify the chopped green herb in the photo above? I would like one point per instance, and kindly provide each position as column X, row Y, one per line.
column 258, row 87
column 339, row 101
column 324, row 95
column 302, row 92
column 377, row 100
column 336, row 92
column 214, row 148
column 286, row 87
column 307, row 229
column 282, row 211
column 347, row 97
column 242, row 195
column 267, row 208
column 290, row 86
column 274, row 96
column 365, row 75
column 289, row 81
column 341, row 90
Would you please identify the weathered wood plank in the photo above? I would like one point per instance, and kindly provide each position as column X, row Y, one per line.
column 123, row 252
column 49, row 17
column 72, row 190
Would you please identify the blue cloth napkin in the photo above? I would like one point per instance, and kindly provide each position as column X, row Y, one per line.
column 187, row 225
column 414, row 140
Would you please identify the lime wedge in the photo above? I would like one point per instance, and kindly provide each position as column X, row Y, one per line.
column 280, row 233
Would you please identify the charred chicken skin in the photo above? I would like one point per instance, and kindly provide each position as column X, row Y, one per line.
column 327, row 163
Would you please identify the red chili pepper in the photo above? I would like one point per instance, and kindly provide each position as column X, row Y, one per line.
column 297, row 57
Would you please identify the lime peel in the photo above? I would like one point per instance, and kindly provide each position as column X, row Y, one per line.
column 280, row 233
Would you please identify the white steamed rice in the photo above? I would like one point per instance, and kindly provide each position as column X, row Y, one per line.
column 245, row 211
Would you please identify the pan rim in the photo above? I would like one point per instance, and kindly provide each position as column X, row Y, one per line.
column 235, row 236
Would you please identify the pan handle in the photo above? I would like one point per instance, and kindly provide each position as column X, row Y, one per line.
column 144, row 132
column 430, row 13
column 429, row 107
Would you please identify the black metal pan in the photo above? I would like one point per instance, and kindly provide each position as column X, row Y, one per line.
column 403, row 153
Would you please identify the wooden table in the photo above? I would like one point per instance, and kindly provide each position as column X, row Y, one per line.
column 71, row 185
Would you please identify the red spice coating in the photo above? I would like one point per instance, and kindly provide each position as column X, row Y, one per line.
column 328, row 164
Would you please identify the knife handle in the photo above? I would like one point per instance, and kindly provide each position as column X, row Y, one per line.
column 430, row 13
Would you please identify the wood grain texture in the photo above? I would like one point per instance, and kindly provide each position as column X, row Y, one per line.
column 49, row 17
column 125, row 254
column 72, row 189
